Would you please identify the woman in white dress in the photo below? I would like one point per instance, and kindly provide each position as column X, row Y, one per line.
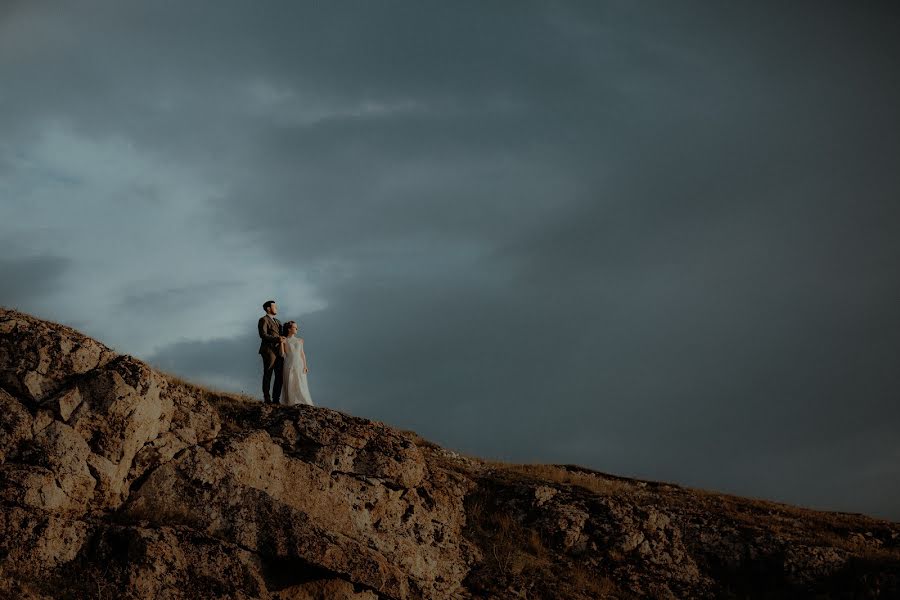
column 295, row 389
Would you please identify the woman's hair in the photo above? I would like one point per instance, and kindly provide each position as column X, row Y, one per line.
column 286, row 328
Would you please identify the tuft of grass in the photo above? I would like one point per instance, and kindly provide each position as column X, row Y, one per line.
column 509, row 547
column 205, row 392
column 179, row 381
column 418, row 440
column 593, row 584
column 593, row 482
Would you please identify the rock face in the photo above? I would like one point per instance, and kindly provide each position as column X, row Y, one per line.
column 118, row 481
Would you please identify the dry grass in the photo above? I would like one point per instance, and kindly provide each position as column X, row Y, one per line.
column 596, row 483
column 235, row 409
column 227, row 404
column 593, row 584
column 510, row 548
column 514, row 549
column 204, row 391
column 419, row 441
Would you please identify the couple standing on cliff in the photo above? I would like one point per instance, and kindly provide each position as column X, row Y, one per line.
column 283, row 356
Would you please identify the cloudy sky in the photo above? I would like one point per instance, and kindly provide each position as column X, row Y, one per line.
column 657, row 239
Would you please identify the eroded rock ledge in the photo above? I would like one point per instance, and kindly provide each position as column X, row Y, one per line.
column 118, row 481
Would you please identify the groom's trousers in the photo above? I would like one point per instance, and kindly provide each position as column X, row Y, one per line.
column 272, row 365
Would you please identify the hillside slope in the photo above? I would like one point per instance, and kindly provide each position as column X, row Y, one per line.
column 118, row 481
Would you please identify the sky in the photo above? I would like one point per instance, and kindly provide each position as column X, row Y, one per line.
column 655, row 239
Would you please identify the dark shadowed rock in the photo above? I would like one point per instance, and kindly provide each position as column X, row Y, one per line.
column 118, row 481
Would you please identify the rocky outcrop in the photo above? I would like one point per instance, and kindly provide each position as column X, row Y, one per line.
column 118, row 481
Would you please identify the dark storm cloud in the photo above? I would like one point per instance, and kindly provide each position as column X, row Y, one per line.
column 658, row 240
column 27, row 280
column 704, row 289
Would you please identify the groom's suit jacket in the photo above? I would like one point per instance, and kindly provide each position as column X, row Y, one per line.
column 270, row 335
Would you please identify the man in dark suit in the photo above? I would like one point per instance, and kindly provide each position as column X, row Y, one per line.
column 270, row 349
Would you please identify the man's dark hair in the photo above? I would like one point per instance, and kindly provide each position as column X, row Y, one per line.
column 266, row 304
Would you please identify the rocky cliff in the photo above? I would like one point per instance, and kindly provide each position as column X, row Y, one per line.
column 118, row 481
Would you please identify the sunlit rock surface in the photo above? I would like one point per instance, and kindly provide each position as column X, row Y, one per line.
column 118, row 481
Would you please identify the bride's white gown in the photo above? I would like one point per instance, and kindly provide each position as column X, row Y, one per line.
column 295, row 389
